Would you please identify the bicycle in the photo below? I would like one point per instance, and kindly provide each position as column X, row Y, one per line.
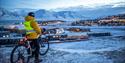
column 20, row 54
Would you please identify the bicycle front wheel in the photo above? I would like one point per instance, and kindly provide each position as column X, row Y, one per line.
column 44, row 47
column 19, row 54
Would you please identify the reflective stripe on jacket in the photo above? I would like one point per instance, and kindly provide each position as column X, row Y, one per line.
column 28, row 27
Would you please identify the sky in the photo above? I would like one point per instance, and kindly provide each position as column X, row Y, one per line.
column 53, row 4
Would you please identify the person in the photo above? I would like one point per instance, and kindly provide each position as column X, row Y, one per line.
column 33, row 31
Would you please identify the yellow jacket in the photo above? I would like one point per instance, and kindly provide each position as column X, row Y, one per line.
column 35, row 26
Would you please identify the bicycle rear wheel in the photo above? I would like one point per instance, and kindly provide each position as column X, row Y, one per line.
column 19, row 54
column 44, row 46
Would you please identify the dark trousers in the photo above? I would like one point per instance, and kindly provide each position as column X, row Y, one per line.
column 35, row 46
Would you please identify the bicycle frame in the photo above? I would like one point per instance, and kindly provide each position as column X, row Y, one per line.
column 22, row 41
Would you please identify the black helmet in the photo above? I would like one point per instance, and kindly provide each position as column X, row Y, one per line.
column 31, row 14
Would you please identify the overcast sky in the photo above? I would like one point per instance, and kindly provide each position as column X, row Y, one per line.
column 52, row 4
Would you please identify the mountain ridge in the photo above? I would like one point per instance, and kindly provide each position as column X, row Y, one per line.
column 71, row 13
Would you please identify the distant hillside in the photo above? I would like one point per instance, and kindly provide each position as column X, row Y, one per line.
column 71, row 13
column 119, row 16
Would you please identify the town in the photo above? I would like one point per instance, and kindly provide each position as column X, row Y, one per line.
column 10, row 34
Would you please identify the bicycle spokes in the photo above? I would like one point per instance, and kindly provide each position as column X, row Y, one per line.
column 44, row 46
column 19, row 54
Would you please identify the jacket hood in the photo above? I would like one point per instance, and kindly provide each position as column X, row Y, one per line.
column 29, row 18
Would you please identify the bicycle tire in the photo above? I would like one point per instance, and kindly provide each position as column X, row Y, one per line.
column 12, row 53
column 47, row 43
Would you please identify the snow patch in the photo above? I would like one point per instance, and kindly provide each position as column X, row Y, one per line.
column 79, row 51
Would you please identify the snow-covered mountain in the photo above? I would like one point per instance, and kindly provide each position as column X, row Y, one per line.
column 96, row 11
column 62, row 15
column 70, row 13
column 7, row 15
column 22, row 11
column 14, row 14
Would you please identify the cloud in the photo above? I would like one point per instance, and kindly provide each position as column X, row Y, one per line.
column 120, row 4
column 51, row 4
